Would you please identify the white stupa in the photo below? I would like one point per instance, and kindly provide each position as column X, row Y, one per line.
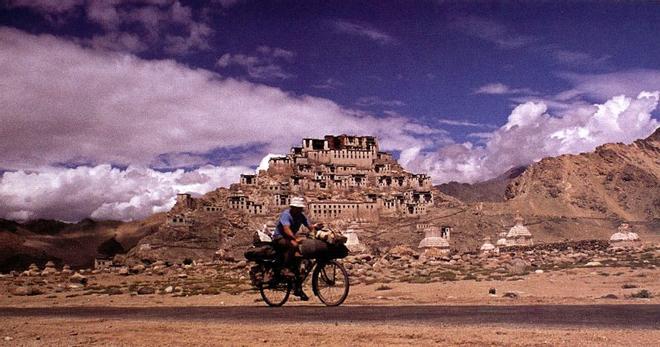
column 352, row 241
column 624, row 237
column 501, row 242
column 487, row 247
column 519, row 235
column 434, row 240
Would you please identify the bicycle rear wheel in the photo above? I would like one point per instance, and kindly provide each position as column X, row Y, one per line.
column 330, row 283
column 274, row 289
column 275, row 293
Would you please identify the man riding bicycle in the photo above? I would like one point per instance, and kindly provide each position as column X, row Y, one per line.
column 285, row 241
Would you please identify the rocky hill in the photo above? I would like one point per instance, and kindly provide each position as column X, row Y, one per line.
column 493, row 190
column 75, row 244
column 616, row 181
column 569, row 197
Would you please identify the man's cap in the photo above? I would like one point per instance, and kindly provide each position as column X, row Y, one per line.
column 297, row 202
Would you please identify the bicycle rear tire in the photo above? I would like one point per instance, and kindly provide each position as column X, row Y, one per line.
column 277, row 294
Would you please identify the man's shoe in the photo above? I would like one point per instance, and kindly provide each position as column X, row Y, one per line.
column 287, row 273
column 299, row 293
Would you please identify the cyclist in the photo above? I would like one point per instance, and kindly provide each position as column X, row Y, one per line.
column 286, row 242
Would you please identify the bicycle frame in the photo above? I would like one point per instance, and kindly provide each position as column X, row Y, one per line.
column 309, row 268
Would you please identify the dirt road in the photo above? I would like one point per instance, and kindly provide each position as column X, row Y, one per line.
column 610, row 316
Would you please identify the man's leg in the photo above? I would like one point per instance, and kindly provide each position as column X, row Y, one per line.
column 284, row 248
column 291, row 267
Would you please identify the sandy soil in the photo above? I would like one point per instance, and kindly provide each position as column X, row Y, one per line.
column 85, row 332
column 572, row 286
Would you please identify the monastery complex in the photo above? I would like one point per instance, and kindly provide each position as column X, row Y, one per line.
column 342, row 178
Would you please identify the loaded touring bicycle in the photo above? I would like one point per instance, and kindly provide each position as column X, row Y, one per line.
column 317, row 256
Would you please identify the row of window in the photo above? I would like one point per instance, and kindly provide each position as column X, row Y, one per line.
column 344, row 154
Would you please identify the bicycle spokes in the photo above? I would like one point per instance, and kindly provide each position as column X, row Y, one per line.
column 330, row 282
column 328, row 275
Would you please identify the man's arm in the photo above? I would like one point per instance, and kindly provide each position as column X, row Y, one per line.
column 314, row 227
column 286, row 221
column 288, row 232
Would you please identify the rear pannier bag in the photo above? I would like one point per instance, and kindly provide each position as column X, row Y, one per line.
column 263, row 252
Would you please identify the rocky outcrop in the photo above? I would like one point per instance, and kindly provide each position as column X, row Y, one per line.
column 615, row 181
column 77, row 244
column 493, row 190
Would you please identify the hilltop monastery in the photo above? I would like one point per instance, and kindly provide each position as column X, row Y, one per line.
column 342, row 178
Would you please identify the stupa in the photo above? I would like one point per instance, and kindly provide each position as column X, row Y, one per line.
column 519, row 235
column 352, row 241
column 501, row 242
column 434, row 241
column 624, row 237
column 487, row 247
column 49, row 269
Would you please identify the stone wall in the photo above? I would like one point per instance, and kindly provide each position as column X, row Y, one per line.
column 584, row 245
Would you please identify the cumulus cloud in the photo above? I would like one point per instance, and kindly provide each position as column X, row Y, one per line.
column 531, row 133
column 63, row 102
column 263, row 164
column 103, row 192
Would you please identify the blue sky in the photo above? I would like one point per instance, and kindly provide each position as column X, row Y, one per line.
column 460, row 90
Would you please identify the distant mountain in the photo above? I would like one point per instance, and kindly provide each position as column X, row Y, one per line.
column 615, row 181
column 492, row 190
column 76, row 244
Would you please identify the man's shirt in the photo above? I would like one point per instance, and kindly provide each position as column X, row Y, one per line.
column 294, row 222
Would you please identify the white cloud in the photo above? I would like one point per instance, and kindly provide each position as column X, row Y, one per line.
column 367, row 101
column 132, row 26
column 493, row 88
column 464, row 123
column 489, row 30
column 63, row 103
column 255, row 66
column 329, row 83
column 577, row 58
column 362, row 30
column 276, row 52
column 103, row 192
column 263, row 66
column 531, row 134
column 228, row 3
column 197, row 39
column 118, row 41
column 501, row 89
column 606, row 85
column 47, row 6
column 263, row 164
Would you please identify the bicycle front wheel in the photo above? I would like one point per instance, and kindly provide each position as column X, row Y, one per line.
column 330, row 283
